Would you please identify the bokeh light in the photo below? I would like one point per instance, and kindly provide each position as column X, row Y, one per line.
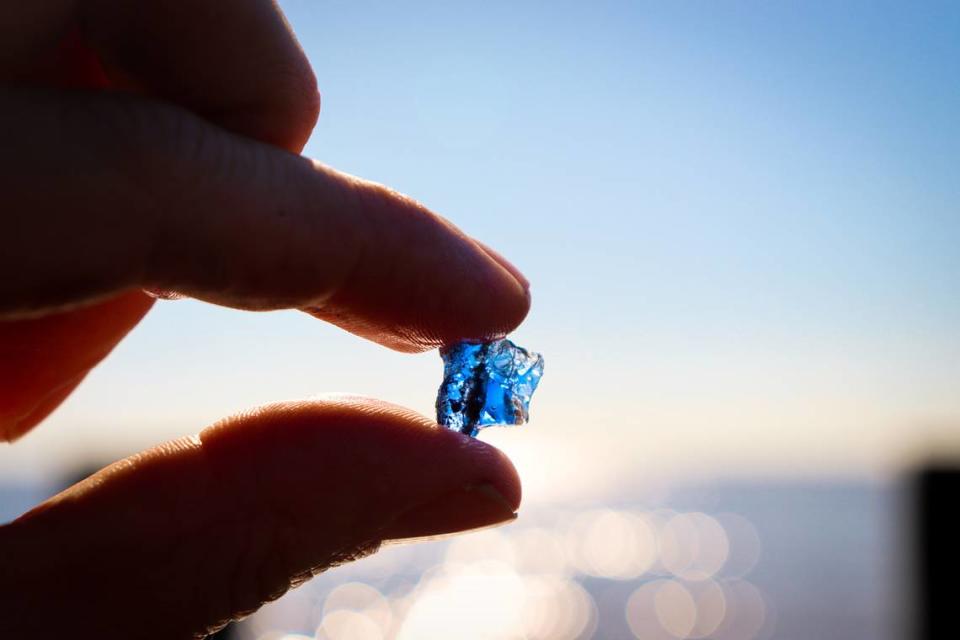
column 675, row 607
column 557, row 609
column 744, row 545
column 611, row 544
column 710, row 602
column 641, row 613
column 672, row 608
column 540, row 551
column 746, row 612
column 693, row 546
column 539, row 581
column 355, row 610
column 679, row 544
column 348, row 625
column 480, row 600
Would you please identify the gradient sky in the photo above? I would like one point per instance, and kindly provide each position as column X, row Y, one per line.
column 741, row 222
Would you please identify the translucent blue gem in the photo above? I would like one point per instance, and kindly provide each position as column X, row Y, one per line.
column 486, row 383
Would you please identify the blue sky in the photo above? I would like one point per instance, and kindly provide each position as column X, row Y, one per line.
column 740, row 220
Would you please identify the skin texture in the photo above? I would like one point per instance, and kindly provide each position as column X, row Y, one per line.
column 155, row 145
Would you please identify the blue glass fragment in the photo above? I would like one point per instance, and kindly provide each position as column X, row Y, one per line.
column 486, row 383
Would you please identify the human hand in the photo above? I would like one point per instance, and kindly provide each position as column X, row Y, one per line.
column 153, row 145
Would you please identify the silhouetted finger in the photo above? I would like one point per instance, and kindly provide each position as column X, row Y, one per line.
column 105, row 192
column 178, row 540
column 235, row 63
column 43, row 359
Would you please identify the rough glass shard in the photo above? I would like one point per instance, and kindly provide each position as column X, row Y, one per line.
column 485, row 384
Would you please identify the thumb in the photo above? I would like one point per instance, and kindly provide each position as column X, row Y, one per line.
column 180, row 539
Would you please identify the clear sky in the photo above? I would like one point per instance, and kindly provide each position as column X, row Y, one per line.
column 741, row 222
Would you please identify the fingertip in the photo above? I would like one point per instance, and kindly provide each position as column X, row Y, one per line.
column 506, row 264
column 310, row 107
column 501, row 473
column 467, row 509
column 418, row 282
column 394, row 453
column 503, row 304
column 289, row 130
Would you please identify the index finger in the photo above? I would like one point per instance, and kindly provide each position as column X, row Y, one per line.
column 146, row 195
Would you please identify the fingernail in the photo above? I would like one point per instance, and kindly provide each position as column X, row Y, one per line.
column 506, row 264
column 473, row 507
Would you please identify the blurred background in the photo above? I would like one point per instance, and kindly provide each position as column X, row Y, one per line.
column 741, row 224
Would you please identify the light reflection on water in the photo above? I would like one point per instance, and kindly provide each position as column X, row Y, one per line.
column 534, row 582
column 807, row 559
